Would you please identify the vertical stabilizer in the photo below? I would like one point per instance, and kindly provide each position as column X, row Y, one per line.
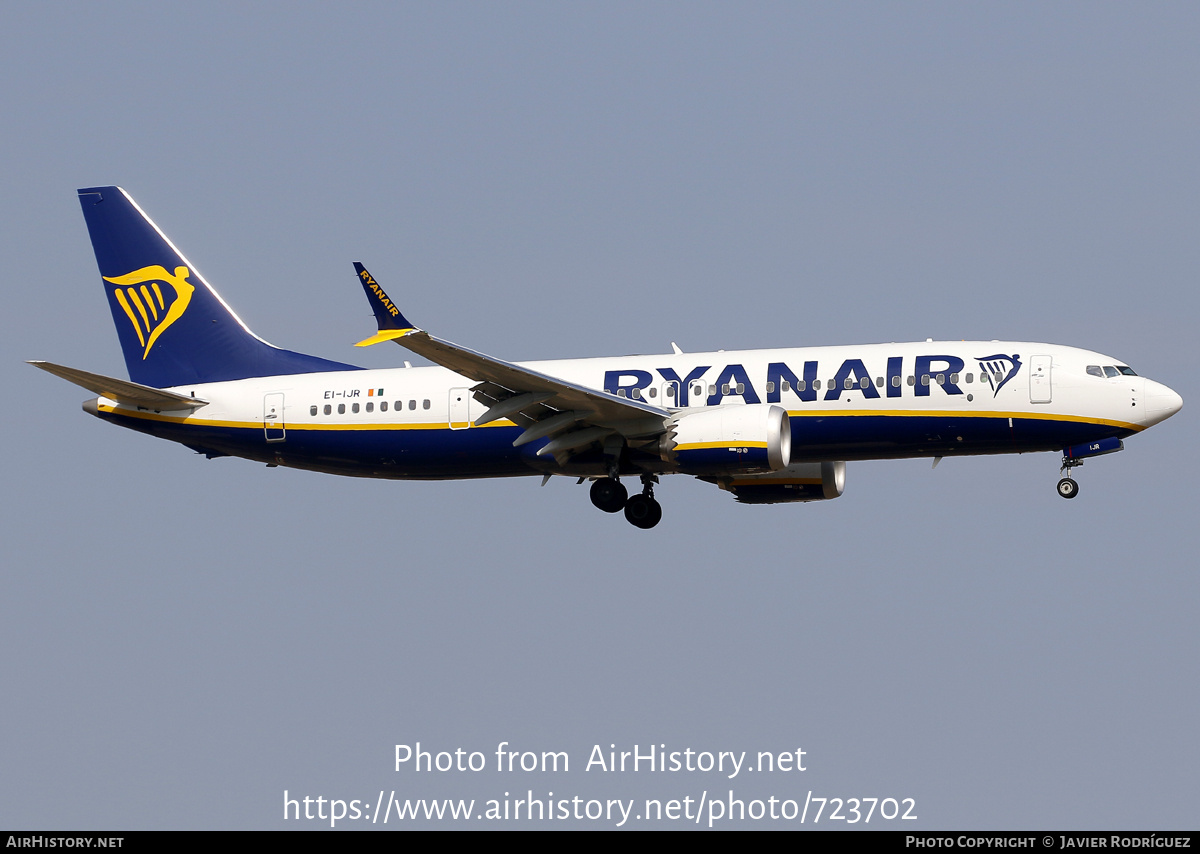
column 174, row 328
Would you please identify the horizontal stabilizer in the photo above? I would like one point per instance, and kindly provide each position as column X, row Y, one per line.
column 123, row 391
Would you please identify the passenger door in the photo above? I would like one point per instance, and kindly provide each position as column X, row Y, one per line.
column 1039, row 379
column 460, row 408
column 273, row 426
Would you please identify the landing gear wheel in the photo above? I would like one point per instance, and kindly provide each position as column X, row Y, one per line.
column 608, row 494
column 1068, row 488
column 642, row 511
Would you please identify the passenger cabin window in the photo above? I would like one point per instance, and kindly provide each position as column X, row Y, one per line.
column 341, row 409
column 370, row 406
column 895, row 382
column 1095, row 371
column 879, row 382
column 954, row 379
column 383, row 406
column 741, row 388
column 725, row 388
column 941, row 379
column 816, row 385
column 328, row 409
column 312, row 410
column 924, row 379
column 784, row 385
column 970, row 377
column 771, row 387
column 912, row 380
column 354, row 408
column 412, row 404
column 636, row 394
column 425, row 404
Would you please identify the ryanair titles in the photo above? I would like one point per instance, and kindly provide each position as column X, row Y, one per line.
column 379, row 294
column 782, row 382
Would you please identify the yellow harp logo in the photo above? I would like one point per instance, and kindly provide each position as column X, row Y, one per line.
column 140, row 294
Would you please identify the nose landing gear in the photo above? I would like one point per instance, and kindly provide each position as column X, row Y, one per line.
column 1067, row 487
column 1073, row 456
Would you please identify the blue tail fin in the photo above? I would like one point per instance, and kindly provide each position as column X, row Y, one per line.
column 173, row 327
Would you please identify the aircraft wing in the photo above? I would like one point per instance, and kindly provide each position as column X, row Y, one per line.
column 543, row 404
column 486, row 369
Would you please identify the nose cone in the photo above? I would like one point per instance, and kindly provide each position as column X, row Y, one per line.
column 1161, row 402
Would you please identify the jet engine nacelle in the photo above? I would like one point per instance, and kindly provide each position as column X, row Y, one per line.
column 729, row 440
column 797, row 482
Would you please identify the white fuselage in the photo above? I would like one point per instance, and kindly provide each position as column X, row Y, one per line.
column 844, row 403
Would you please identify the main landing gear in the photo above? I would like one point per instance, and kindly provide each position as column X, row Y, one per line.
column 1067, row 487
column 609, row 494
column 642, row 511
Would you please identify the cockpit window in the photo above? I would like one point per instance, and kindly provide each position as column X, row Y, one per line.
column 1129, row 372
column 1110, row 371
column 1094, row 370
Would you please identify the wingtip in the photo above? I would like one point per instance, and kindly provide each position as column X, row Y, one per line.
column 387, row 313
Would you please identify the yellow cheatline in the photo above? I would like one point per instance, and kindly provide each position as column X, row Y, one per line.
column 983, row 413
column 504, row 422
column 773, row 481
column 696, row 446
column 192, row 421
column 385, row 335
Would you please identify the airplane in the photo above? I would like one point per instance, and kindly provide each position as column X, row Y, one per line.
column 767, row 426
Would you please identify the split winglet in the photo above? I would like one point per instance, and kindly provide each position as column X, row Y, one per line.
column 392, row 324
